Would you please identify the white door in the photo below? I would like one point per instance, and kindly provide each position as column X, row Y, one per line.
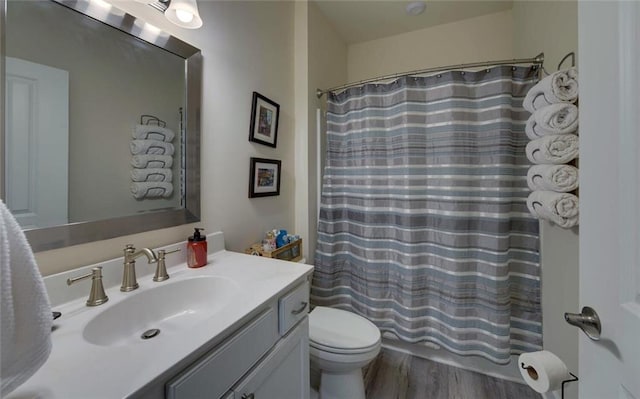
column 37, row 143
column 609, row 64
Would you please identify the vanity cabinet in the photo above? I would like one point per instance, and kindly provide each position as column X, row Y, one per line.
column 267, row 358
column 283, row 373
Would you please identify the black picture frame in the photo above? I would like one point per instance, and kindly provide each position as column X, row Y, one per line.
column 265, row 115
column 264, row 177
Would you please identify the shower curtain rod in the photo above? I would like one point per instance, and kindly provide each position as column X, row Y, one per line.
column 539, row 59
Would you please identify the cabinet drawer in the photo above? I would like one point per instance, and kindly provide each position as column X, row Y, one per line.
column 293, row 307
column 212, row 376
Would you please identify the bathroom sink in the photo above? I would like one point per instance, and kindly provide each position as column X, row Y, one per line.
column 164, row 309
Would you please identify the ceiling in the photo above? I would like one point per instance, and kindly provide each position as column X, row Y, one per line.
column 363, row 20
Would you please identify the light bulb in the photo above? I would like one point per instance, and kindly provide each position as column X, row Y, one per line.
column 184, row 16
column 184, row 13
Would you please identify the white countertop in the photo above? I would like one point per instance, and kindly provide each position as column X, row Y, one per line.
column 79, row 369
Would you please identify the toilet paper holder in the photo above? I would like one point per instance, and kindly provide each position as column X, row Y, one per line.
column 534, row 374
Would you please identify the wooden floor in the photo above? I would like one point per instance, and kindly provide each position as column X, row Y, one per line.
column 395, row 375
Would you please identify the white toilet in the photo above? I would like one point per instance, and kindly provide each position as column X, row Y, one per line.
column 341, row 343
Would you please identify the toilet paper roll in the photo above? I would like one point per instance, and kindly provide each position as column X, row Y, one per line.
column 543, row 371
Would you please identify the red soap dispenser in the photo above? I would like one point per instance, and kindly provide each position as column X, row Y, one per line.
column 197, row 249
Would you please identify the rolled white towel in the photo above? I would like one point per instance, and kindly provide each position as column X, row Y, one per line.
column 150, row 189
column 559, row 118
column 153, row 132
column 559, row 178
column 559, row 208
column 532, row 130
column 151, row 174
column 554, row 149
column 151, row 147
column 560, row 86
column 151, row 161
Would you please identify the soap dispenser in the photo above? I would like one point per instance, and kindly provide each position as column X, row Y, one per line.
column 197, row 249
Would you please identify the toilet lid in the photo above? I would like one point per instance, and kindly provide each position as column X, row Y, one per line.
column 341, row 330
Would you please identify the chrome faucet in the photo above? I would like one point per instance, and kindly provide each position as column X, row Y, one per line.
column 129, row 281
column 97, row 295
column 161, row 270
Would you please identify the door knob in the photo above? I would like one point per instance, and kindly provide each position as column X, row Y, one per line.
column 588, row 321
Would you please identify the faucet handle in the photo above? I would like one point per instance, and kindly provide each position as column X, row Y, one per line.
column 129, row 249
column 161, row 269
column 97, row 296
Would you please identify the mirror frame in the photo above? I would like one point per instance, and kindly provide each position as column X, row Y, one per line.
column 47, row 238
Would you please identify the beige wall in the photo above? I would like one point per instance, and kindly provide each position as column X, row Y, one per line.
column 559, row 247
column 301, row 78
column 327, row 68
column 484, row 38
column 246, row 46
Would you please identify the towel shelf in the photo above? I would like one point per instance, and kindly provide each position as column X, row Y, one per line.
column 573, row 60
column 150, row 120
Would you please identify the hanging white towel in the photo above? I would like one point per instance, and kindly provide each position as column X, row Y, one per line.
column 553, row 149
column 153, row 132
column 559, row 178
column 151, row 161
column 151, row 174
column 559, row 208
column 155, row 147
column 141, row 190
column 25, row 319
column 560, row 86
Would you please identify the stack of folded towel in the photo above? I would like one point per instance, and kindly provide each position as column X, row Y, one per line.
column 152, row 160
column 553, row 130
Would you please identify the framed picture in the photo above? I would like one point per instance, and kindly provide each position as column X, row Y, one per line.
column 264, row 120
column 264, row 177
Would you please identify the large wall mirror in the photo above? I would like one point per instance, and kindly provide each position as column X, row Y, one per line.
column 101, row 123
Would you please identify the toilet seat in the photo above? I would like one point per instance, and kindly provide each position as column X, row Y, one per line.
column 341, row 332
column 343, row 351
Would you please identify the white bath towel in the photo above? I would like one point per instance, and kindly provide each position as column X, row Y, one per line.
column 151, row 161
column 559, row 118
column 532, row 130
column 553, row 119
column 561, row 86
column 155, row 147
column 25, row 311
column 559, row 178
column 554, row 149
column 152, row 174
column 153, row 132
column 559, row 208
column 141, row 190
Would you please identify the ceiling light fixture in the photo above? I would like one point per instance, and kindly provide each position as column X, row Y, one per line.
column 183, row 13
column 416, row 7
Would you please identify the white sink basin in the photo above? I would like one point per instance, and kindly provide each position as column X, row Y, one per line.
column 170, row 306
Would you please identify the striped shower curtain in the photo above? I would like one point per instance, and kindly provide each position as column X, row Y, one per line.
column 423, row 224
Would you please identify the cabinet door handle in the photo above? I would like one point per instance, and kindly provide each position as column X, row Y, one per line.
column 249, row 396
column 303, row 306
